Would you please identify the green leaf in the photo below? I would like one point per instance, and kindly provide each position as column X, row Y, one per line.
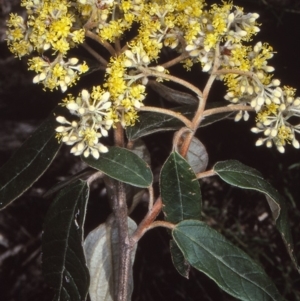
column 240, row 175
column 63, row 258
column 123, row 165
column 102, row 248
column 179, row 262
column 180, row 191
column 231, row 268
column 152, row 122
column 29, row 162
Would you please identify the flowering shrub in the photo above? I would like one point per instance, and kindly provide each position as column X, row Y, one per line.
column 135, row 35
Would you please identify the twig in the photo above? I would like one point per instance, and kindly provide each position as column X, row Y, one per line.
column 95, row 54
column 176, row 60
column 146, row 222
column 201, row 107
column 233, row 71
column 178, row 135
column 177, row 115
column 151, row 197
column 205, row 174
column 230, row 108
column 172, row 78
column 118, row 46
column 119, row 135
column 104, row 43
column 94, row 176
column 161, row 224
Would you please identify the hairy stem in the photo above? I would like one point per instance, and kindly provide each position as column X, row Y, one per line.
column 119, row 208
column 146, row 222
column 205, row 174
column 172, row 78
column 176, row 60
column 203, row 100
column 230, row 108
column 179, row 116
column 163, row 224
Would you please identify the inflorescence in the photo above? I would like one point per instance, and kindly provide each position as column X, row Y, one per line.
column 222, row 33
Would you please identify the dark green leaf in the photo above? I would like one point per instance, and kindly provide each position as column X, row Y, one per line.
column 83, row 174
column 63, row 259
column 231, row 268
column 180, row 263
column 240, row 175
column 27, row 165
column 123, row 165
column 180, row 191
column 152, row 122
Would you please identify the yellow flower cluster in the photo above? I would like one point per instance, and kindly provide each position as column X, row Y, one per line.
column 217, row 36
column 58, row 73
column 126, row 93
column 51, row 25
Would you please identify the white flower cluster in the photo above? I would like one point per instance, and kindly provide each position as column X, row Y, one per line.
column 273, row 119
column 92, row 110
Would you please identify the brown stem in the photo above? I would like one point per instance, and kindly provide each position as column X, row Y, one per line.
column 118, row 46
column 161, row 224
column 177, row 137
column 234, row 71
column 186, row 144
column 95, row 54
column 151, row 197
column 230, row 108
column 179, row 116
column 146, row 222
column 119, row 135
column 205, row 174
column 176, row 60
column 172, row 78
column 199, row 114
column 104, row 43
column 95, row 176
column 201, row 107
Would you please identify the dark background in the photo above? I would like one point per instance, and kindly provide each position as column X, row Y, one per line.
column 233, row 212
